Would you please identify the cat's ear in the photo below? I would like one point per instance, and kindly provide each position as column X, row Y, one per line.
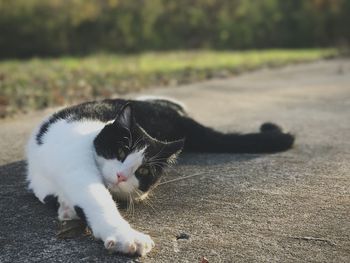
column 173, row 149
column 125, row 116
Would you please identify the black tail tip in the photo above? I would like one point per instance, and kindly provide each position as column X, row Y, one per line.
column 289, row 140
column 270, row 127
column 281, row 141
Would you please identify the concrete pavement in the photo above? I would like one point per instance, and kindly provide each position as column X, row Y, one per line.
column 285, row 207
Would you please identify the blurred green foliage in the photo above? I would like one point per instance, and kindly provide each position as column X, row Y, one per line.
column 76, row 27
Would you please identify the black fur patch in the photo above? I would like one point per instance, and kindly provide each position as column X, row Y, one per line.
column 158, row 118
column 169, row 104
column 270, row 127
column 51, row 201
column 95, row 110
column 80, row 213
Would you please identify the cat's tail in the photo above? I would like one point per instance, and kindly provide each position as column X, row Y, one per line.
column 270, row 139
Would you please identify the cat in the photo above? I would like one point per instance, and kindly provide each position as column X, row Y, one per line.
column 81, row 154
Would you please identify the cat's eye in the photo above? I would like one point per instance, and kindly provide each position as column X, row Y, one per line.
column 143, row 171
column 121, row 154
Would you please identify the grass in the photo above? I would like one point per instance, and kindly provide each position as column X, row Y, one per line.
column 40, row 83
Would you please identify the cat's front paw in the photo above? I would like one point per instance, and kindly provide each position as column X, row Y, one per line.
column 131, row 242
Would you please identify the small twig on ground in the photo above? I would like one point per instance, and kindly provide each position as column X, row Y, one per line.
column 314, row 239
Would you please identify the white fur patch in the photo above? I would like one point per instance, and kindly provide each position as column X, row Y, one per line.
column 65, row 166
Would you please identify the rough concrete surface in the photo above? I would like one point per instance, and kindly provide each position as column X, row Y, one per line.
column 285, row 207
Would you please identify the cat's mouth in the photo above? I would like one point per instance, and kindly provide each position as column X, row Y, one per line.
column 125, row 191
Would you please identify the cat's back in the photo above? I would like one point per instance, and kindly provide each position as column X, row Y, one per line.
column 64, row 139
column 72, row 118
column 71, row 125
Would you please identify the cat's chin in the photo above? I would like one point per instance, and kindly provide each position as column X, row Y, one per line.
column 121, row 194
column 126, row 196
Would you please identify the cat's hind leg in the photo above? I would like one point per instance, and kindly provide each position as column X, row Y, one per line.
column 45, row 191
column 66, row 211
column 37, row 177
column 42, row 188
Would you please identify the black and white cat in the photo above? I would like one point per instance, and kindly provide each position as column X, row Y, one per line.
column 82, row 154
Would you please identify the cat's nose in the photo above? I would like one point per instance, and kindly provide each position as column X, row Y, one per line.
column 121, row 177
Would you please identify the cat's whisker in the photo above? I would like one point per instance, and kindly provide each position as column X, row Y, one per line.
column 183, row 178
column 154, row 157
column 160, row 163
column 157, row 154
column 151, row 191
column 149, row 203
column 136, row 143
column 145, row 199
column 165, row 169
column 140, row 195
column 130, row 139
column 127, row 206
column 130, row 206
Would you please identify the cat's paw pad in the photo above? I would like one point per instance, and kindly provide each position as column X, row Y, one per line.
column 132, row 243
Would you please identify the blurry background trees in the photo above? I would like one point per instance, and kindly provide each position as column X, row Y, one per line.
column 77, row 27
column 87, row 29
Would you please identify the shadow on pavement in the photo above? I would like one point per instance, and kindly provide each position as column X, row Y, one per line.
column 214, row 158
column 28, row 228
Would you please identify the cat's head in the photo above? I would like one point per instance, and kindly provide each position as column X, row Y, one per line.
column 131, row 161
